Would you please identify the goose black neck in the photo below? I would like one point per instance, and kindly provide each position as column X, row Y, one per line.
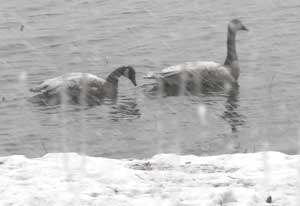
column 115, row 75
column 231, row 49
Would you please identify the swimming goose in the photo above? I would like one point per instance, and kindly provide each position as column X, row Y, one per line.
column 203, row 74
column 77, row 88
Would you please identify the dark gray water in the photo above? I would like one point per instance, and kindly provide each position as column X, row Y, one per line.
column 44, row 39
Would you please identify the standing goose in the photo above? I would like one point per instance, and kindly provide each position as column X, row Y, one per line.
column 76, row 88
column 196, row 76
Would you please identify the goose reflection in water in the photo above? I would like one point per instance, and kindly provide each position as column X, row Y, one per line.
column 231, row 115
column 231, row 93
column 126, row 108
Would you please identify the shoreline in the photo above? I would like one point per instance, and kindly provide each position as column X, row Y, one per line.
column 263, row 178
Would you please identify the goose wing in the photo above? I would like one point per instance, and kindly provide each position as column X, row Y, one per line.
column 193, row 71
column 72, row 81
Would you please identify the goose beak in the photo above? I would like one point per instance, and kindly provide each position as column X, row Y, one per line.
column 244, row 28
column 134, row 82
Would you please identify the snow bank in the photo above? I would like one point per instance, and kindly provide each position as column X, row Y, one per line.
column 165, row 179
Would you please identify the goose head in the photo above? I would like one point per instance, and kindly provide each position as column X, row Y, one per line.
column 236, row 25
column 129, row 72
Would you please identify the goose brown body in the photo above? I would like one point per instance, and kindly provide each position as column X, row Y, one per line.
column 195, row 76
column 81, row 88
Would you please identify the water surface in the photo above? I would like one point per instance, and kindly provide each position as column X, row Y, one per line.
column 44, row 39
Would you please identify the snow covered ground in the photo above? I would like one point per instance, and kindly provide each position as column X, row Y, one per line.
column 268, row 178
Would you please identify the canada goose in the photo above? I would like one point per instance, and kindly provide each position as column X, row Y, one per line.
column 203, row 74
column 77, row 88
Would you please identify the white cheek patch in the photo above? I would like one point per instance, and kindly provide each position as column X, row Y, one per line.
column 126, row 73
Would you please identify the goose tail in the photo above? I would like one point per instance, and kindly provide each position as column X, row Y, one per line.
column 152, row 75
column 38, row 88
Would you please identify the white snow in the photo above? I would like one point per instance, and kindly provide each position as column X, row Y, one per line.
column 61, row 179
